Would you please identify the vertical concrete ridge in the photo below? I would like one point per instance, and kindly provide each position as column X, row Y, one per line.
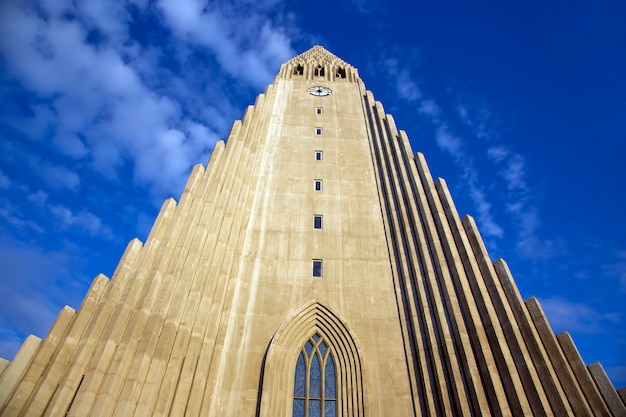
column 545, row 371
column 4, row 363
column 404, row 309
column 191, row 186
column 454, row 246
column 123, row 302
column 162, row 331
column 448, row 262
column 173, row 400
column 140, row 335
column 91, row 337
column 562, row 371
column 225, row 193
column 164, row 322
column 622, row 394
column 183, row 353
column 411, row 297
column 40, row 362
column 416, row 187
column 609, row 394
column 504, row 374
column 157, row 338
column 528, row 391
column 582, row 375
column 191, row 394
column 12, row 375
column 254, row 142
column 57, row 366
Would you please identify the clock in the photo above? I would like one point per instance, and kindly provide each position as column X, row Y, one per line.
column 320, row 91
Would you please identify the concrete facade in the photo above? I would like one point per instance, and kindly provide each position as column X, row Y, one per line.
column 208, row 317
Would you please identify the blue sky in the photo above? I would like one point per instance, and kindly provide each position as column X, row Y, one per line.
column 520, row 106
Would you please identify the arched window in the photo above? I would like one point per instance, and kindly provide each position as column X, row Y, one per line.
column 299, row 70
column 323, row 364
column 315, row 393
column 319, row 71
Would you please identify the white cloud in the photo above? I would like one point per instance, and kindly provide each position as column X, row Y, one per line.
column 406, row 87
column 99, row 108
column 59, row 177
column 247, row 46
column 498, row 153
column 449, row 142
column 5, row 182
column 455, row 146
column 12, row 216
column 511, row 170
column 565, row 315
column 38, row 197
column 534, row 247
column 477, row 115
column 409, row 90
column 617, row 269
column 431, row 109
column 85, row 221
column 30, row 279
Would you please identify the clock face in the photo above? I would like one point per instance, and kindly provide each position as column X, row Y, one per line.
column 320, row 91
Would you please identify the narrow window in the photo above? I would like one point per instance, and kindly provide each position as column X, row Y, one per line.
column 317, row 221
column 317, row 267
column 318, row 155
column 318, row 131
column 341, row 73
column 299, row 70
column 318, row 110
column 317, row 185
column 315, row 393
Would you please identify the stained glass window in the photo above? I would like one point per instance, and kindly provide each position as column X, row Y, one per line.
column 315, row 381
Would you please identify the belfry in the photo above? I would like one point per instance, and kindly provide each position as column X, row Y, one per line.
column 313, row 268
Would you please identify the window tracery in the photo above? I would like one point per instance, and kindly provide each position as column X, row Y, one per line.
column 315, row 391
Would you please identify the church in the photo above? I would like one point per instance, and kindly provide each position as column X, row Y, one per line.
column 313, row 268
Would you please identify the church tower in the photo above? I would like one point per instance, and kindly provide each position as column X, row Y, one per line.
column 313, row 268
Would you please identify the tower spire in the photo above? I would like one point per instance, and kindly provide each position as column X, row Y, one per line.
column 318, row 63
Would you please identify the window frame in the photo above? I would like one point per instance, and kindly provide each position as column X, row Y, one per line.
column 315, row 379
column 317, row 182
column 319, row 155
column 318, row 220
column 320, row 268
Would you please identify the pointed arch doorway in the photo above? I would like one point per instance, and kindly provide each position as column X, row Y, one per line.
column 312, row 368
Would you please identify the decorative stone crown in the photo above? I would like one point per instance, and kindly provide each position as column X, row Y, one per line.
column 318, row 64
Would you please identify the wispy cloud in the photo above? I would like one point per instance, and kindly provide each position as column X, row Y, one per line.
column 30, row 303
column 96, row 96
column 472, row 135
column 617, row 269
column 122, row 98
column 456, row 147
column 239, row 40
column 406, row 88
column 84, row 220
column 577, row 317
